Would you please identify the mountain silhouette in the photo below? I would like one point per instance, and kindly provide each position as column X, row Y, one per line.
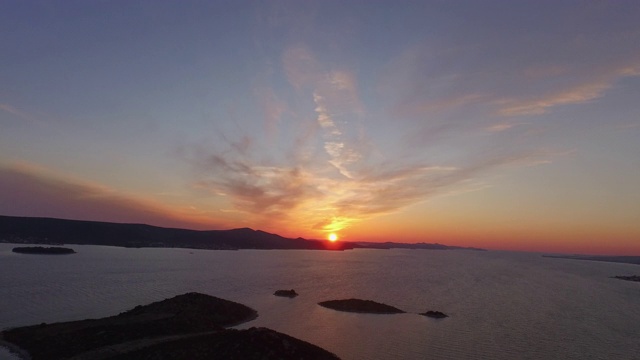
column 34, row 230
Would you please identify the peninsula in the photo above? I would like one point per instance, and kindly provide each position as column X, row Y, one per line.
column 188, row 326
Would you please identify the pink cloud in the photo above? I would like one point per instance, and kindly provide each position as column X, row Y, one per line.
column 16, row 112
column 536, row 106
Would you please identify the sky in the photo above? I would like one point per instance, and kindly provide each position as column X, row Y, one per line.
column 509, row 125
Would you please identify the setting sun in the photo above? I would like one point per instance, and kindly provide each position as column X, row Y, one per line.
column 332, row 237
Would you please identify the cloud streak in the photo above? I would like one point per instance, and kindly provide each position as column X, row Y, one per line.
column 337, row 182
column 579, row 94
column 23, row 115
column 313, row 199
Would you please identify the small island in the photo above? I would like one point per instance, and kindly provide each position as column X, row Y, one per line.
column 40, row 250
column 360, row 306
column 189, row 326
column 434, row 314
column 628, row 278
column 286, row 293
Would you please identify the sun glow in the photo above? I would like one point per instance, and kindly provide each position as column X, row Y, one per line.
column 332, row 237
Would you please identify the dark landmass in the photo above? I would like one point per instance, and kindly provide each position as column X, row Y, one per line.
column 617, row 259
column 435, row 314
column 189, row 326
column 27, row 230
column 286, row 293
column 43, row 250
column 422, row 245
column 50, row 231
column 183, row 314
column 628, row 278
column 360, row 306
column 253, row 343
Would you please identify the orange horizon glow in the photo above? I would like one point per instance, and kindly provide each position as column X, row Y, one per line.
column 457, row 224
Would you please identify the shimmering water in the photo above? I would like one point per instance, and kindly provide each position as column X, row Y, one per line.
column 501, row 305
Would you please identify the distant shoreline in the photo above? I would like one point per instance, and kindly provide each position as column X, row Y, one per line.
column 635, row 260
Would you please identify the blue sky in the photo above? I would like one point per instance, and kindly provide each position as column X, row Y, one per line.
column 506, row 124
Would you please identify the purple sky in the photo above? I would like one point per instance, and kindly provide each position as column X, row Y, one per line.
column 505, row 124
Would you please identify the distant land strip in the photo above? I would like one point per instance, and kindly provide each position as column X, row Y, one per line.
column 617, row 259
column 51, row 231
column 39, row 250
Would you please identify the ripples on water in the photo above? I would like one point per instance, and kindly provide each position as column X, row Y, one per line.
column 501, row 305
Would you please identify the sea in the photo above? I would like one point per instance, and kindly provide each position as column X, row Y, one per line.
column 501, row 305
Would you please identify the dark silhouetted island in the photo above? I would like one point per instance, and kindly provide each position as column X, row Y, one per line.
column 628, row 278
column 435, row 314
column 360, row 306
column 286, row 293
column 189, row 326
column 43, row 250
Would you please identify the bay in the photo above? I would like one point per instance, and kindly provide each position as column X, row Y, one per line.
column 502, row 305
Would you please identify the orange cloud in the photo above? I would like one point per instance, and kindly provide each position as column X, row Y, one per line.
column 536, row 106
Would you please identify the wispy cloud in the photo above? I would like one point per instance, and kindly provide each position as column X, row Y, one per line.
column 312, row 198
column 337, row 182
column 23, row 115
column 272, row 108
column 539, row 105
column 502, row 126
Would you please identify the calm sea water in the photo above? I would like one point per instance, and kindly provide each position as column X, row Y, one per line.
column 502, row 305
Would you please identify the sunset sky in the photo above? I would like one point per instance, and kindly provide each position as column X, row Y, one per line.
column 498, row 124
